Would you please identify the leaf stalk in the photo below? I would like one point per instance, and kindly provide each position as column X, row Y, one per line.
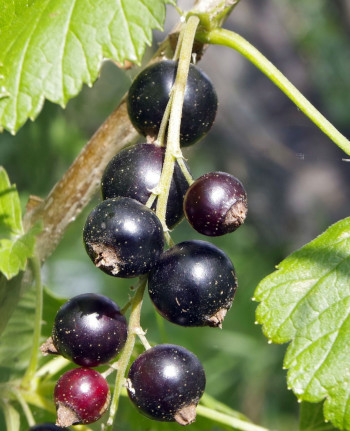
column 233, row 40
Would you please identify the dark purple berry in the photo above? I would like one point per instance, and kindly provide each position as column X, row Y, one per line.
column 46, row 427
column 216, row 204
column 193, row 284
column 166, row 382
column 81, row 397
column 123, row 237
column 149, row 94
column 89, row 330
column 136, row 170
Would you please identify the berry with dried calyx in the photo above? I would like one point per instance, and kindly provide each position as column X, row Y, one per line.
column 166, row 382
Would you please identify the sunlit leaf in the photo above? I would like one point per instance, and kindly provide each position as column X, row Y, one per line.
column 49, row 49
column 15, row 252
column 307, row 301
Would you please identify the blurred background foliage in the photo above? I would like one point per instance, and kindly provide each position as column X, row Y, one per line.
column 296, row 181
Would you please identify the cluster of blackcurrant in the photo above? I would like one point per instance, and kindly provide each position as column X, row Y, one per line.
column 190, row 284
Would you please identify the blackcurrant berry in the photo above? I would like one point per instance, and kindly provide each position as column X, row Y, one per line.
column 81, row 397
column 123, row 237
column 149, row 94
column 89, row 330
column 46, row 427
column 166, row 382
column 216, row 204
column 136, row 170
column 193, row 284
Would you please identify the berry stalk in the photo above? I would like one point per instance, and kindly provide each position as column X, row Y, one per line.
column 173, row 150
column 133, row 330
column 233, row 40
column 227, row 420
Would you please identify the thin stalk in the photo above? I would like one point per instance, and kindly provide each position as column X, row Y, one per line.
column 184, row 170
column 230, row 39
column 125, row 307
column 173, row 142
column 26, row 410
column 179, row 43
column 133, row 329
column 33, row 363
column 224, row 419
column 144, row 341
column 35, row 399
column 164, row 123
column 52, row 367
column 11, row 416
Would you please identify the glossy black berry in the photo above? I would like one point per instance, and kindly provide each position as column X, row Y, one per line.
column 81, row 397
column 149, row 95
column 166, row 382
column 123, row 237
column 193, row 284
column 46, row 427
column 89, row 330
column 136, row 170
column 216, row 204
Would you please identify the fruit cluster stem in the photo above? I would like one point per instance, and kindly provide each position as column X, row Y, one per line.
column 173, row 150
column 233, row 40
column 133, row 330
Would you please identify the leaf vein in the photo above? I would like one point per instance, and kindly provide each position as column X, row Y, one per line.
column 311, row 291
column 64, row 45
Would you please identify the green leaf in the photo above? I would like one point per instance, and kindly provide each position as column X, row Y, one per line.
column 311, row 418
column 16, row 246
column 50, row 48
column 9, row 297
column 307, row 301
column 10, row 207
column 15, row 252
column 16, row 341
column 10, row 9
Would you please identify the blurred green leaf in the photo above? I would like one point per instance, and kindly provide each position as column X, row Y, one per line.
column 10, row 207
column 307, row 300
column 35, row 67
column 16, row 341
column 9, row 296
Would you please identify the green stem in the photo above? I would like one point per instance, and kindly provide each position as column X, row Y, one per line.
column 225, row 419
column 26, row 410
column 11, row 415
column 228, row 38
column 52, row 367
column 30, row 372
column 133, row 329
column 173, row 150
column 164, row 124
column 184, row 170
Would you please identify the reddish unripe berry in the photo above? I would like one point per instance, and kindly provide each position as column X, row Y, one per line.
column 81, row 397
column 216, row 204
